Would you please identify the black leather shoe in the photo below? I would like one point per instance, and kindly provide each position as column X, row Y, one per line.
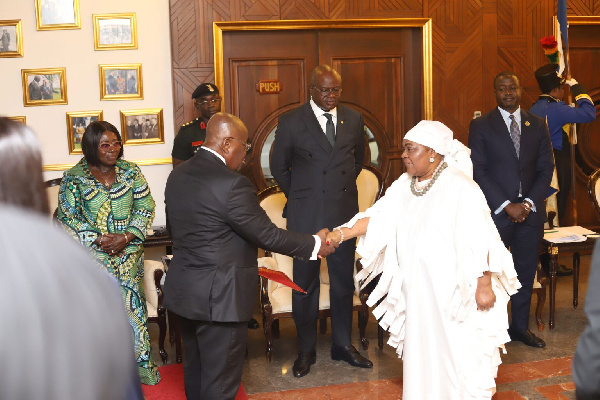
column 253, row 324
column 562, row 270
column 526, row 337
column 351, row 356
column 303, row 363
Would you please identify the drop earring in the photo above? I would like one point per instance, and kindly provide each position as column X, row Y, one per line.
column 431, row 159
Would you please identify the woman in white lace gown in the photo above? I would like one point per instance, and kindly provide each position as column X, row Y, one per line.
column 444, row 269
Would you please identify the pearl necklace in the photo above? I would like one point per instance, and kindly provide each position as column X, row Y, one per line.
column 420, row 192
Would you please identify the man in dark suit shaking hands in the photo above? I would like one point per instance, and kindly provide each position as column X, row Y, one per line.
column 513, row 165
column 318, row 152
column 216, row 225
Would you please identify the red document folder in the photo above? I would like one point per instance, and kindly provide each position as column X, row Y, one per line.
column 279, row 277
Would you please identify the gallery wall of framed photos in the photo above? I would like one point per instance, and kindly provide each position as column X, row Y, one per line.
column 64, row 68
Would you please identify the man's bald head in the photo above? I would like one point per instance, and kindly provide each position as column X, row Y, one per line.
column 223, row 125
column 321, row 70
column 220, row 131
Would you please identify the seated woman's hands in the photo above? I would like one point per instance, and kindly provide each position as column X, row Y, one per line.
column 112, row 243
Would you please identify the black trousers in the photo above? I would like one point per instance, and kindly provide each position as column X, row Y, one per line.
column 214, row 354
column 562, row 160
column 305, row 307
column 524, row 242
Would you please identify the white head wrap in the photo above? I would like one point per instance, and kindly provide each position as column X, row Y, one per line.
column 438, row 137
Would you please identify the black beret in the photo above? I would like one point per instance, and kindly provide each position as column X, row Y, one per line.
column 548, row 78
column 205, row 89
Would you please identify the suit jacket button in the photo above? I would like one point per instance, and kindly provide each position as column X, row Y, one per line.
column 324, row 172
column 343, row 172
column 323, row 190
column 344, row 189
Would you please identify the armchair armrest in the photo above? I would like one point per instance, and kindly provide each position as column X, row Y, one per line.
column 153, row 273
column 270, row 263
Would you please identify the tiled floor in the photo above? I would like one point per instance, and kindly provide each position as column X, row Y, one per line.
column 526, row 373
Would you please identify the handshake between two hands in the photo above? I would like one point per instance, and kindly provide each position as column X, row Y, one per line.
column 329, row 242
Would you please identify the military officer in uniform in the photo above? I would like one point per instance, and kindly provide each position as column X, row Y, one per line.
column 557, row 113
column 192, row 134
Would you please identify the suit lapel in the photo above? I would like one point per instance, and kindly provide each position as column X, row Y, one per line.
column 502, row 131
column 314, row 129
column 340, row 133
column 527, row 129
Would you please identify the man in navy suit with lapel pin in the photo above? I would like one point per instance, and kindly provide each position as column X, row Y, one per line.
column 318, row 152
column 513, row 165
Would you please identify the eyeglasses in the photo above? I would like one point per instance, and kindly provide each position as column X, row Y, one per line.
column 106, row 146
column 336, row 91
column 247, row 146
column 207, row 102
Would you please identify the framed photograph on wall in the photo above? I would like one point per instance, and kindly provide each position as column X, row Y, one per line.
column 121, row 82
column 57, row 14
column 142, row 126
column 20, row 118
column 77, row 121
column 44, row 87
column 11, row 41
column 115, row 31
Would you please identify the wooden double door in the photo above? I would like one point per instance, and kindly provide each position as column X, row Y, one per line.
column 584, row 45
column 383, row 71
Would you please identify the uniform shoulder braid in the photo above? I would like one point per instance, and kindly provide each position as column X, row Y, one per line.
column 190, row 123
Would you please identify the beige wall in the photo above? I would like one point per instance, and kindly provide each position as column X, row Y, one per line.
column 74, row 50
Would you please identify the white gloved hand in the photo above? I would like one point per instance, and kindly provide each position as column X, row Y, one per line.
column 571, row 82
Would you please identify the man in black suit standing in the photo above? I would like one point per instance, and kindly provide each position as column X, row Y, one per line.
column 216, row 225
column 513, row 165
column 318, row 152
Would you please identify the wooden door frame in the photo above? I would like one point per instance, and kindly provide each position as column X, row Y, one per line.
column 580, row 176
column 424, row 23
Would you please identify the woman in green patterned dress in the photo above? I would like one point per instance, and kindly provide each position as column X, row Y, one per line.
column 105, row 202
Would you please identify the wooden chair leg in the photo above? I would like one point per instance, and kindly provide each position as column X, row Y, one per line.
column 162, row 333
column 363, row 318
column 323, row 325
column 268, row 324
column 576, row 262
column 541, row 297
column 275, row 329
column 176, row 333
column 170, row 317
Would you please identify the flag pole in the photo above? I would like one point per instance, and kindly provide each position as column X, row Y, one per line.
column 562, row 14
column 572, row 134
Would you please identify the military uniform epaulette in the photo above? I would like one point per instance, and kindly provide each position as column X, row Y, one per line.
column 191, row 122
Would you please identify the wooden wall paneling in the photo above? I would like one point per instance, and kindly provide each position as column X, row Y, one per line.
column 489, row 36
column 395, row 101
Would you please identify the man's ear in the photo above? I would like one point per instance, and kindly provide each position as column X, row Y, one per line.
column 226, row 146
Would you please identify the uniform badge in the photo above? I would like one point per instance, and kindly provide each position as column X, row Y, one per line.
column 341, row 122
column 527, row 123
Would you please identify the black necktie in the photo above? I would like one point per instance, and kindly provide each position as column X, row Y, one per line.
column 330, row 129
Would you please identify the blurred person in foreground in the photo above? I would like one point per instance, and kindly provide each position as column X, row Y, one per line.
column 217, row 225
column 59, row 341
column 21, row 179
column 105, row 203
column 444, row 269
column 586, row 363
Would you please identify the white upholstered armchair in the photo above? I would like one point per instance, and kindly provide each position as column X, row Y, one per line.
column 275, row 298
